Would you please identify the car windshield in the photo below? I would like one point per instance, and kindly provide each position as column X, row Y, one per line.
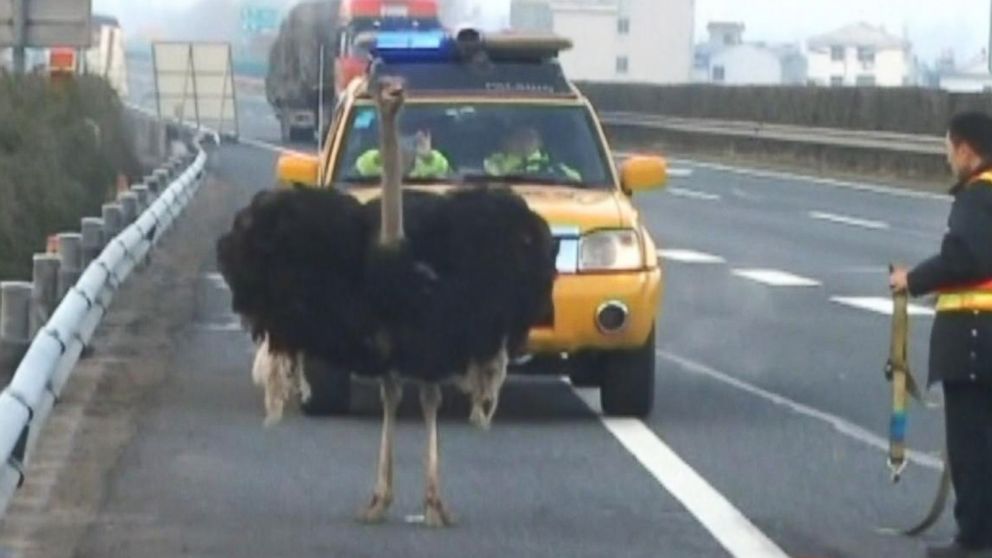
column 476, row 142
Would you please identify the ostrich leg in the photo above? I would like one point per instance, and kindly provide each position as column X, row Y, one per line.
column 434, row 514
column 382, row 496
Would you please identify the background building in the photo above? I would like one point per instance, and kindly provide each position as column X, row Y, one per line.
column 861, row 54
column 725, row 58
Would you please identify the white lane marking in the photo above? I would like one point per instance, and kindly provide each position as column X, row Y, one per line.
column 839, row 424
column 273, row 147
column 680, row 173
column 880, row 305
column 872, row 188
column 690, row 256
column 725, row 523
column 775, row 278
column 845, row 220
column 694, row 194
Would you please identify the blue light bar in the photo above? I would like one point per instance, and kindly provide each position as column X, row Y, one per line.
column 413, row 46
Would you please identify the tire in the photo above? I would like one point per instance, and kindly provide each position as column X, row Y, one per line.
column 587, row 372
column 627, row 389
column 330, row 389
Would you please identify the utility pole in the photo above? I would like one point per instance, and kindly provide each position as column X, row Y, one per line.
column 20, row 35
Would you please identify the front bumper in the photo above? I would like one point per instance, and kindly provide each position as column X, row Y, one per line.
column 578, row 297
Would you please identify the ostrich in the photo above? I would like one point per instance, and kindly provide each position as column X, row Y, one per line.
column 418, row 287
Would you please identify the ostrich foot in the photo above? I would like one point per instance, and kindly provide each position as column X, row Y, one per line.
column 435, row 514
column 378, row 507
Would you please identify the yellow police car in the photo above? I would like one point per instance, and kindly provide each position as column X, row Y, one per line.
column 499, row 110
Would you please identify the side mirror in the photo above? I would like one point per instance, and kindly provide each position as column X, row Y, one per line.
column 298, row 169
column 641, row 173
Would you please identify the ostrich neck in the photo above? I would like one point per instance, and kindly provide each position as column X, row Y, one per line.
column 392, row 177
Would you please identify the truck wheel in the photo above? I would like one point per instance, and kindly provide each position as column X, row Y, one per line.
column 330, row 389
column 628, row 381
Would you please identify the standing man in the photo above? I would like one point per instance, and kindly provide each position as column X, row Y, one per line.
column 961, row 343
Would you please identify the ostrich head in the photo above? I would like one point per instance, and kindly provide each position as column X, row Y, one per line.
column 389, row 97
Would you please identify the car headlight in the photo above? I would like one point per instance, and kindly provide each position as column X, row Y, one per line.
column 617, row 250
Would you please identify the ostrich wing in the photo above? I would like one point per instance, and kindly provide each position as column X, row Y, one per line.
column 295, row 262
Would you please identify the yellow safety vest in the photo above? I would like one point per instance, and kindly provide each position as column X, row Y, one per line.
column 971, row 298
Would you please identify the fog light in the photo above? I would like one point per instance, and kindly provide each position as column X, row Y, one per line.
column 611, row 317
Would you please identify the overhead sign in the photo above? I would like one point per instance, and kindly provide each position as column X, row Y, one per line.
column 45, row 23
column 194, row 83
column 256, row 19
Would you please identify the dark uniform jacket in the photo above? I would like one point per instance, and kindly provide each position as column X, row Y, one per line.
column 961, row 342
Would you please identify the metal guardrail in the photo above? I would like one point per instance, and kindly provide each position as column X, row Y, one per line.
column 885, row 141
column 48, row 363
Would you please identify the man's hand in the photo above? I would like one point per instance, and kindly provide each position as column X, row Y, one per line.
column 898, row 279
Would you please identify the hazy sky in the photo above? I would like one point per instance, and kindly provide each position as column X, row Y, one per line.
column 932, row 25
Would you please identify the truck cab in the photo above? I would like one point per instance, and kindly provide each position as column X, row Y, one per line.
column 360, row 17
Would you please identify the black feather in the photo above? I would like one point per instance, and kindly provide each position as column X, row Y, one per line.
column 474, row 273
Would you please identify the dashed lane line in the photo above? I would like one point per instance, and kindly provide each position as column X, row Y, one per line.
column 880, row 305
column 694, row 194
column 690, row 256
column 775, row 278
column 851, row 221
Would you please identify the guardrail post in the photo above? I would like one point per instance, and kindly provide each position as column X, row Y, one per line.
column 163, row 179
column 92, row 229
column 144, row 197
column 153, row 184
column 15, row 325
column 71, row 252
column 129, row 207
column 112, row 221
column 44, row 290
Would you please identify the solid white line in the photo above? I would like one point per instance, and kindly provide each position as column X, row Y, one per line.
column 839, row 424
column 845, row 220
column 872, row 188
column 686, row 193
column 716, row 514
column 690, row 256
column 880, row 305
column 775, row 278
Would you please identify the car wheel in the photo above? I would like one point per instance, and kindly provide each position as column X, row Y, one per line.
column 628, row 381
column 587, row 371
column 330, row 389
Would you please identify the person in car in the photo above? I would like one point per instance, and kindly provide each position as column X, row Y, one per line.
column 419, row 157
column 523, row 153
